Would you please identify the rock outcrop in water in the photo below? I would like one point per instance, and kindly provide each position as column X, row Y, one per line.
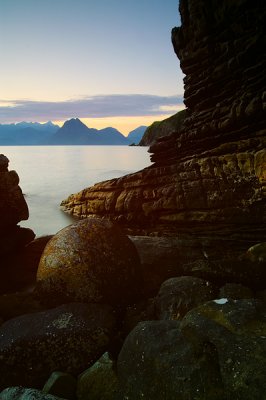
column 209, row 177
column 13, row 209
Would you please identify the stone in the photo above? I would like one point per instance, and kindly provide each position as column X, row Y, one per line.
column 257, row 253
column 236, row 330
column 20, row 393
column 18, row 303
column 89, row 261
column 99, row 381
column 179, row 295
column 161, row 258
column 23, row 263
column 216, row 352
column 235, row 291
column 62, row 385
column 13, row 207
column 4, row 161
column 228, row 265
column 68, row 338
column 158, row 362
column 14, row 239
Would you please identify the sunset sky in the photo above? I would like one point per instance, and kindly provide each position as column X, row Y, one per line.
column 108, row 62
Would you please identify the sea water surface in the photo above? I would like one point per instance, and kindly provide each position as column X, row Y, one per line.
column 49, row 174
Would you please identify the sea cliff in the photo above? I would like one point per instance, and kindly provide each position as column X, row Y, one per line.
column 209, row 175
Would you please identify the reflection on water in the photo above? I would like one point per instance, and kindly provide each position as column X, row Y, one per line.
column 48, row 174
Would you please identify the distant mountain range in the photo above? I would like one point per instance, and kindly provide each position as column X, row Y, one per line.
column 135, row 136
column 73, row 132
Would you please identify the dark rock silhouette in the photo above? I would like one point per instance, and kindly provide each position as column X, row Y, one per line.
column 163, row 128
column 74, row 132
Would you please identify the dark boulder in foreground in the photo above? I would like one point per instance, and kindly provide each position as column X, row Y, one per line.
column 89, row 261
column 179, row 295
column 217, row 352
column 68, row 338
column 20, row 393
column 158, row 362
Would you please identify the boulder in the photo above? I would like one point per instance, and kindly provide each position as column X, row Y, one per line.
column 179, row 295
column 13, row 207
column 235, row 291
column 89, row 261
column 13, row 238
column 158, row 362
column 68, row 338
column 236, row 331
column 61, row 384
column 20, row 266
column 20, row 393
column 217, row 351
column 99, row 381
column 257, row 253
column 19, row 303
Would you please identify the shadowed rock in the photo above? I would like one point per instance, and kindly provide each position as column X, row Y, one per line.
column 68, row 339
column 89, row 261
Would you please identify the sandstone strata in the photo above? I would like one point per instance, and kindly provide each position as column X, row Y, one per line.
column 209, row 177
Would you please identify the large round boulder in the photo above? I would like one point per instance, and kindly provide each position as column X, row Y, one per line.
column 89, row 261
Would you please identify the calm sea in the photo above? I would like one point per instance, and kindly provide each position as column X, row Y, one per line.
column 49, row 174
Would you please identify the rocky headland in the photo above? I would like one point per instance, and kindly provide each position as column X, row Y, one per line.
column 159, row 291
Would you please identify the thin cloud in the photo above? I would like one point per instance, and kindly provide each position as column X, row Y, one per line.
column 88, row 107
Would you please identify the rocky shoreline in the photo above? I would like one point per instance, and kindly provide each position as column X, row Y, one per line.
column 158, row 292
column 103, row 315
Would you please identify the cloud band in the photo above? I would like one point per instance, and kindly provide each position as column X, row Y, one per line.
column 99, row 106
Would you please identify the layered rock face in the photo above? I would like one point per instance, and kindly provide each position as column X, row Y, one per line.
column 210, row 176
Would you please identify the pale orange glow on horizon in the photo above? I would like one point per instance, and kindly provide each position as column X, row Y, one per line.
column 122, row 124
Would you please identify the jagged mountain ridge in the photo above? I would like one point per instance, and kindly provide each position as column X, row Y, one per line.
column 26, row 133
column 73, row 132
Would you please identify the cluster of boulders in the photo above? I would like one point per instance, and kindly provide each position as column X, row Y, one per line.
column 107, row 316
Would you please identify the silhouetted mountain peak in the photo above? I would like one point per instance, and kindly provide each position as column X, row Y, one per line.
column 74, row 123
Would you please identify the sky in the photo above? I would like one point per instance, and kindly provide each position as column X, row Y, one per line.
column 107, row 62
